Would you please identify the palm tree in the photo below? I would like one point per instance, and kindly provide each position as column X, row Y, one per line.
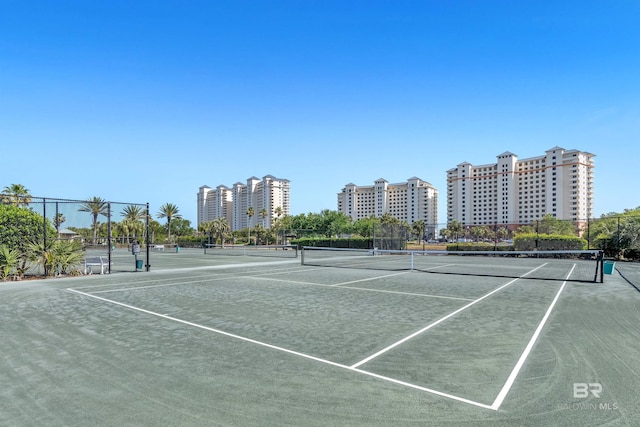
column 205, row 227
column 9, row 259
column 455, row 229
column 16, row 194
column 480, row 232
column 219, row 227
column 264, row 214
column 133, row 215
column 169, row 211
column 418, row 228
column 250, row 212
column 259, row 229
column 58, row 220
column 502, row 232
column 96, row 206
column 278, row 212
column 133, row 212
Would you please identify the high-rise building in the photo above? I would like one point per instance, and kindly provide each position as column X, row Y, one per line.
column 514, row 192
column 269, row 195
column 408, row 201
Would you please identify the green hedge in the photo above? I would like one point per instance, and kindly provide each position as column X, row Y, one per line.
column 352, row 243
column 528, row 242
column 548, row 242
column 477, row 247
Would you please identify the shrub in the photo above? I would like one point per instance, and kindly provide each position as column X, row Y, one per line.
column 8, row 261
column 352, row 243
column 548, row 242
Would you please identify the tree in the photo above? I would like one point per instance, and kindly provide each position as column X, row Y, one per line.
column 418, row 229
column 502, row 232
column 364, row 226
column 205, row 227
column 480, row 232
column 56, row 257
column 526, row 229
column 250, row 213
column 19, row 227
column 329, row 223
column 260, row 232
column 95, row 206
column 16, row 194
column 618, row 234
column 219, row 227
column 155, row 229
column 455, row 229
column 132, row 224
column 169, row 211
column 58, row 220
column 387, row 218
column 181, row 227
column 278, row 225
column 549, row 224
column 133, row 212
column 264, row 214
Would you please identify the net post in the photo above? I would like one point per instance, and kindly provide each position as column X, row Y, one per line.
column 412, row 254
column 301, row 255
column 44, row 225
column 601, row 265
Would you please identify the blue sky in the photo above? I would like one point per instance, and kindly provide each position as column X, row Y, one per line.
column 146, row 101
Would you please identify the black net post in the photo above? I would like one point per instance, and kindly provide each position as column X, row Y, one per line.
column 109, row 236
column 44, row 234
column 146, row 224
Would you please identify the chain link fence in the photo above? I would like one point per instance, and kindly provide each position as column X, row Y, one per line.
column 92, row 234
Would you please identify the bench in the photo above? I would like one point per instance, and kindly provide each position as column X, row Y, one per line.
column 96, row 261
column 157, row 247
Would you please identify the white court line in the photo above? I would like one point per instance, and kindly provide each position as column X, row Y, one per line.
column 438, row 266
column 523, row 357
column 285, row 350
column 437, row 322
column 494, row 406
column 370, row 278
column 196, row 279
column 341, row 285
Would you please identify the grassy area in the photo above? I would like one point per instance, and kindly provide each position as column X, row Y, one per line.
column 414, row 246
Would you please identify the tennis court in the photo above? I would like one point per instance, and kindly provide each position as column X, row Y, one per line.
column 212, row 339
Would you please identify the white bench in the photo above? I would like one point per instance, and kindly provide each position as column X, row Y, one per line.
column 96, row 261
column 158, row 247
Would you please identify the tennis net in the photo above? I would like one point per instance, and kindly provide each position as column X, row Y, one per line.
column 581, row 266
column 277, row 251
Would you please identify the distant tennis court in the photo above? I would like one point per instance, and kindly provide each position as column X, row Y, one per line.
column 205, row 338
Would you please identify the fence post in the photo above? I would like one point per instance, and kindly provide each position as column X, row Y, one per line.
column 109, row 236
column 147, row 237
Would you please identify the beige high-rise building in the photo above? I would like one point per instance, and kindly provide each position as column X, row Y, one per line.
column 515, row 192
column 269, row 193
column 408, row 201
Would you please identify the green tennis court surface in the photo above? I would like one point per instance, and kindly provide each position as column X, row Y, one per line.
column 204, row 339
